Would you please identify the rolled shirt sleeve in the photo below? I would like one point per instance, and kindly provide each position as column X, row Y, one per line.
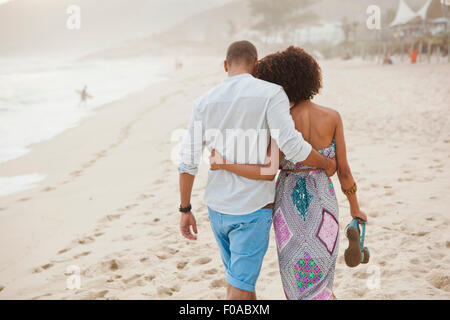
column 282, row 129
column 192, row 145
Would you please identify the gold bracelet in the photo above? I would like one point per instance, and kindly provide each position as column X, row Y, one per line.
column 350, row 191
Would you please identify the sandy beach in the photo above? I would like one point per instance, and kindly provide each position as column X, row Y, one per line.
column 108, row 205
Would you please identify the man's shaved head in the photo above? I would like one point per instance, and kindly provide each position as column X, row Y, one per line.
column 241, row 52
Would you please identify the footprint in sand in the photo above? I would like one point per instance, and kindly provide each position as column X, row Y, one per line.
column 220, row 295
column 24, row 199
column 83, row 254
column 163, row 256
column 172, row 251
column 64, row 250
column 41, row 296
column 211, row 271
column 439, row 281
column 86, row 240
column 419, row 234
column 149, row 277
column 129, row 207
column 167, row 292
column 76, row 173
column 2, row 209
column 98, row 295
column 203, row 260
column 218, row 283
column 43, row 267
column 118, row 276
column 132, row 278
column 181, row 265
column 101, row 154
column 48, row 189
column 145, row 196
column 1, row 288
column 110, row 217
column 112, row 265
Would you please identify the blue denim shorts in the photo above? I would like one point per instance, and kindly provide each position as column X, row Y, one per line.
column 243, row 241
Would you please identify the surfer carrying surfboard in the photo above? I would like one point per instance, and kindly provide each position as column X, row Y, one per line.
column 84, row 96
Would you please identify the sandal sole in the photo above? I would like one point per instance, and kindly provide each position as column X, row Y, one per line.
column 366, row 257
column 352, row 254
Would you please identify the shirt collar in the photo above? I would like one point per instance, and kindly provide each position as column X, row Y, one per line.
column 239, row 76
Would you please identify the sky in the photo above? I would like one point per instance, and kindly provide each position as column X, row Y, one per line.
column 34, row 26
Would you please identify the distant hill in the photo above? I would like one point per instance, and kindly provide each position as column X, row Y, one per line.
column 212, row 30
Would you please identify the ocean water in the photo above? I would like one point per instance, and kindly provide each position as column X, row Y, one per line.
column 38, row 98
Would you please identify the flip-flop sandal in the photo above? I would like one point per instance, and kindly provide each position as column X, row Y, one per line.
column 364, row 250
column 356, row 253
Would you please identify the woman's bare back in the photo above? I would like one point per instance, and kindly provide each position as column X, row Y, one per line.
column 316, row 123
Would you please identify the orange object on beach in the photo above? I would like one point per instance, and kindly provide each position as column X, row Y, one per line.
column 414, row 54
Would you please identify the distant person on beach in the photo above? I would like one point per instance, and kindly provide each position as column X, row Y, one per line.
column 178, row 65
column 388, row 59
column 306, row 220
column 241, row 108
column 84, row 95
column 414, row 54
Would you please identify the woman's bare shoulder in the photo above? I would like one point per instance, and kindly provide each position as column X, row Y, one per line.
column 330, row 113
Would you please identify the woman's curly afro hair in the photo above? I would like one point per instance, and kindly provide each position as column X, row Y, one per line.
column 293, row 69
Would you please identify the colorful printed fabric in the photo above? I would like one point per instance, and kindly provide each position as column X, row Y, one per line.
column 325, row 294
column 307, row 273
column 307, row 231
column 331, row 188
column 301, row 197
column 283, row 233
column 328, row 230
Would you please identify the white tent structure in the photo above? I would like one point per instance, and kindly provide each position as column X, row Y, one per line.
column 422, row 13
column 404, row 14
column 431, row 10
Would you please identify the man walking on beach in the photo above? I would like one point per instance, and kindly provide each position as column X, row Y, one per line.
column 239, row 109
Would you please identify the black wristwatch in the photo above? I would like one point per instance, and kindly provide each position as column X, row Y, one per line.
column 185, row 209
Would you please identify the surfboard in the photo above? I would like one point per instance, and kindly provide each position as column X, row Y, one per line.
column 88, row 96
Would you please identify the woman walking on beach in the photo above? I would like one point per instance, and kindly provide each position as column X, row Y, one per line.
column 306, row 210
